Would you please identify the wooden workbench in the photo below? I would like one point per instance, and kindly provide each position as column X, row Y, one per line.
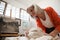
column 8, row 34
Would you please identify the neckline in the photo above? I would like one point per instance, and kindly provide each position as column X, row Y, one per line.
column 45, row 16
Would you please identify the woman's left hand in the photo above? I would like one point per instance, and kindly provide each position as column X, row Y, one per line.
column 54, row 33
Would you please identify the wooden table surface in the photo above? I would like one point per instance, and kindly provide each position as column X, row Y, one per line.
column 8, row 34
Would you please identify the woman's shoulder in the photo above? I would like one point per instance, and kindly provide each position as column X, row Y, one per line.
column 49, row 8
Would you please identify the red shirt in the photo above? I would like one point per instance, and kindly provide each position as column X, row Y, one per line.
column 53, row 17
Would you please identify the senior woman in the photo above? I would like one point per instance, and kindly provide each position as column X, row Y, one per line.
column 46, row 19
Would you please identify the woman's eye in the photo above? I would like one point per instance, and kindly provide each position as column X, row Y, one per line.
column 31, row 10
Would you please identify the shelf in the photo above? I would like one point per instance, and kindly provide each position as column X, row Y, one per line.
column 8, row 34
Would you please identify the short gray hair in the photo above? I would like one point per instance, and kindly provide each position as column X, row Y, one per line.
column 37, row 8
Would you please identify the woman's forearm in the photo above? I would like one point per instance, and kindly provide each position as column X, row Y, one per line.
column 54, row 33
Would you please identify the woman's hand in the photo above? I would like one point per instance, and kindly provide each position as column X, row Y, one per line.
column 54, row 33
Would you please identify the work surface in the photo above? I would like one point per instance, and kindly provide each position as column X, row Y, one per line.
column 25, row 38
column 9, row 35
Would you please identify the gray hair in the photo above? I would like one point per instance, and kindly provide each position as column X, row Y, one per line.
column 37, row 9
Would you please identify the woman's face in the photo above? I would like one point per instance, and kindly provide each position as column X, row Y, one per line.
column 31, row 11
